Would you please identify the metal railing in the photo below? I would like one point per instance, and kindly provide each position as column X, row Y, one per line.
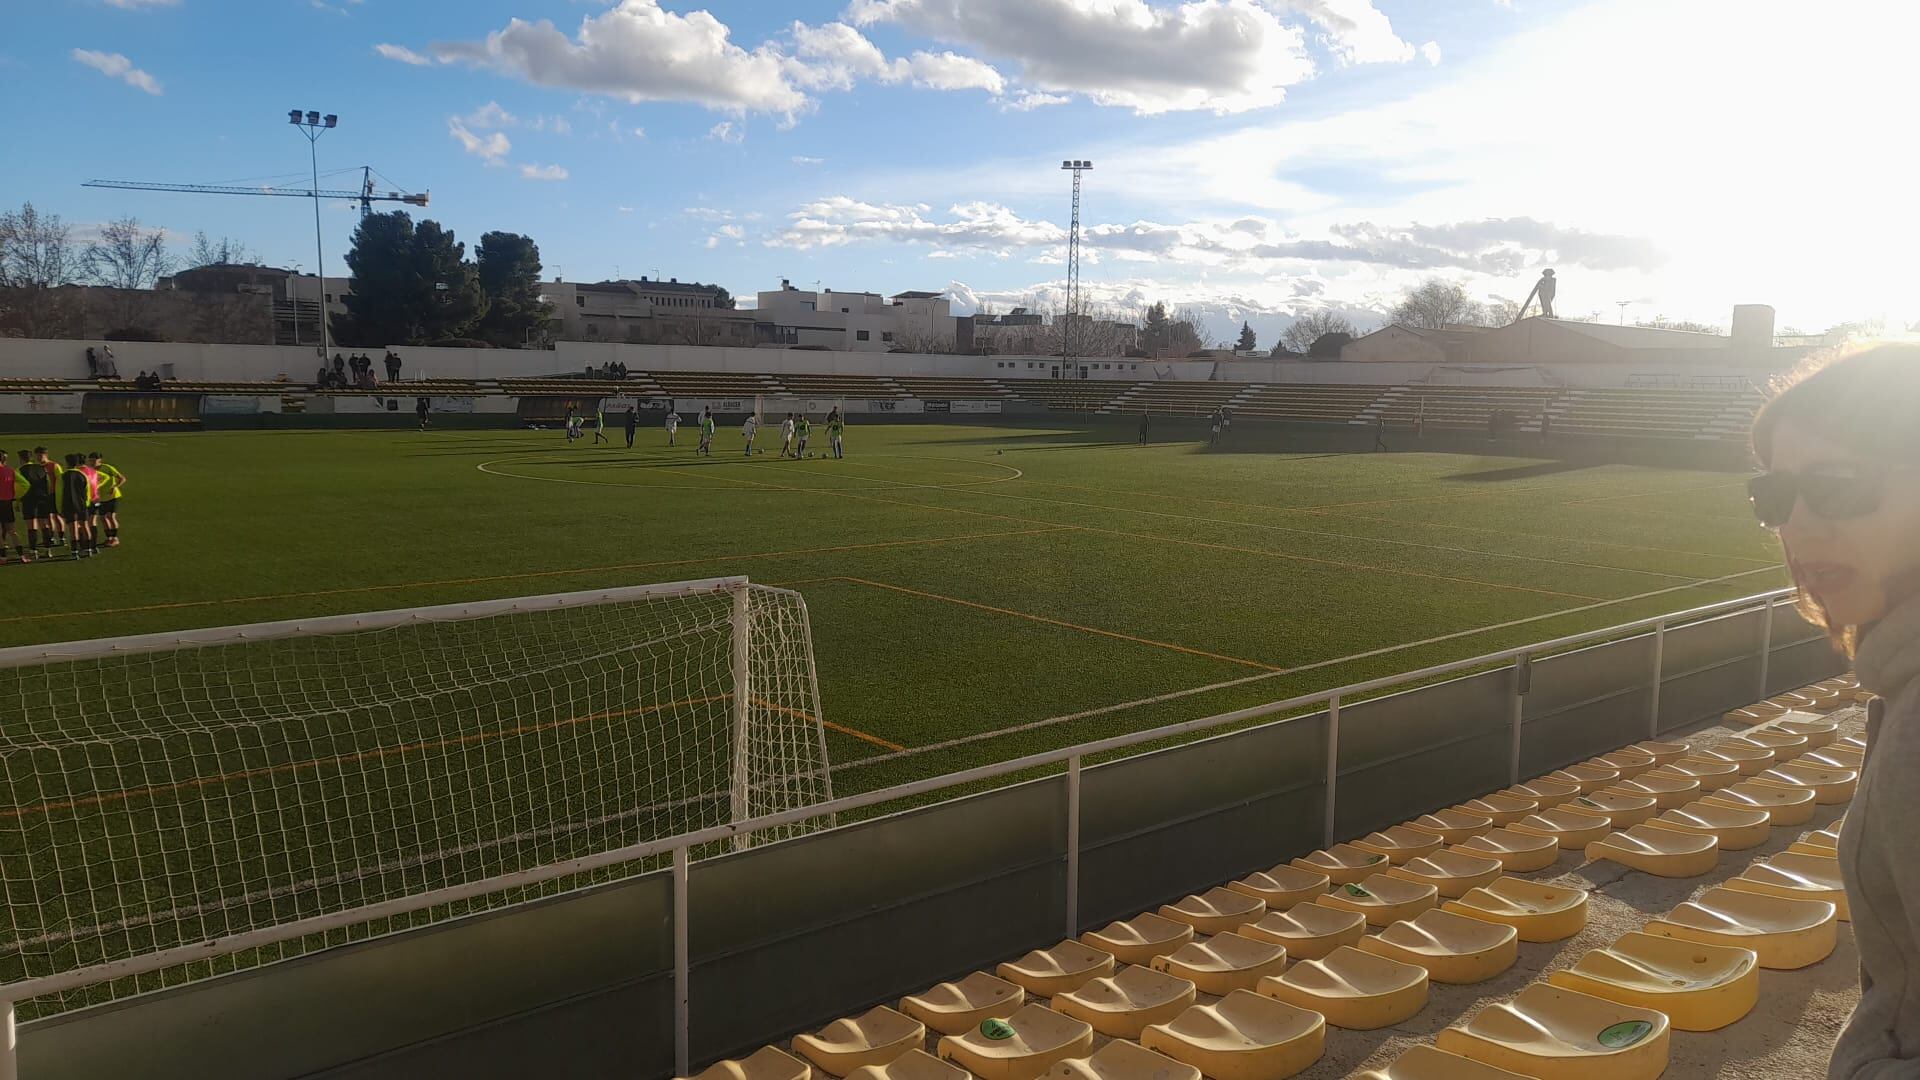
column 682, row 845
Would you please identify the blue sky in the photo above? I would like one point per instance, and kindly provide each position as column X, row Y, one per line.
column 1254, row 158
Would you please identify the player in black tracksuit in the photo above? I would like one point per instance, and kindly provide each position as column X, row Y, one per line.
column 36, row 505
column 77, row 503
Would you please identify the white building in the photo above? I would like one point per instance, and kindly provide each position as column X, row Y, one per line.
column 858, row 321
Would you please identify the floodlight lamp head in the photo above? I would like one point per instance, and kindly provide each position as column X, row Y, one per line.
column 293, row 116
column 1066, row 164
column 313, row 118
column 332, row 120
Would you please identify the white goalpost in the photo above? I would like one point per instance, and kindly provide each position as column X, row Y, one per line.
column 241, row 795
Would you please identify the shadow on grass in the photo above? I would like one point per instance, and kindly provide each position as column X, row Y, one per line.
column 1519, row 472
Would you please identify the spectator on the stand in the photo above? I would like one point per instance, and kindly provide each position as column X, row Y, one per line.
column 109, row 368
column 393, row 366
column 93, row 364
column 319, row 378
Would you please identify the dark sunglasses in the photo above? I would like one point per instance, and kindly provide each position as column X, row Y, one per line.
column 1833, row 496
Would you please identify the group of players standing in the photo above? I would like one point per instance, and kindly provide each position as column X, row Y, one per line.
column 795, row 431
column 73, row 502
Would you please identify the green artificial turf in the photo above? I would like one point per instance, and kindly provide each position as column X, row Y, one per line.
column 976, row 593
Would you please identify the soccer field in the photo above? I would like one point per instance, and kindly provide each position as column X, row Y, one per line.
column 976, row 592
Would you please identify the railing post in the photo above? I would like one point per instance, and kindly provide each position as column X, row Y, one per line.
column 681, row 964
column 1522, row 674
column 1333, row 765
column 10, row 1052
column 1766, row 646
column 1659, row 676
column 742, row 709
column 1073, row 846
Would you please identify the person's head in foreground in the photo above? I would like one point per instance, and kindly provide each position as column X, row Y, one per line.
column 1841, row 452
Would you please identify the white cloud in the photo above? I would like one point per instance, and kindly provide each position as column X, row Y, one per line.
column 543, row 172
column 1036, row 100
column 725, row 234
column 142, row 5
column 491, row 148
column 835, row 56
column 951, row 71
column 639, row 133
column 116, row 66
column 639, row 52
column 559, row 125
column 802, row 159
column 487, row 116
column 1355, row 30
column 625, row 209
column 1223, row 55
column 403, row 54
column 841, row 220
column 727, row 131
column 1431, row 53
column 708, row 213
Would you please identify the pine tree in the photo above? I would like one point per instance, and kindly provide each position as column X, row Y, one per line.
column 509, row 269
column 1246, row 342
column 1154, row 336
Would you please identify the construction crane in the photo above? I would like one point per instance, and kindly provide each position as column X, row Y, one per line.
column 366, row 196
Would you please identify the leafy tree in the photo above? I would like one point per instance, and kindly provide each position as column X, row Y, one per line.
column 1313, row 326
column 509, row 268
column 1187, row 333
column 1436, row 304
column 408, row 285
column 1246, row 342
column 36, row 258
column 1153, row 336
column 722, row 298
column 225, row 251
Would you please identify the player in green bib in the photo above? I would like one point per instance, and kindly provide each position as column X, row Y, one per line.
column 802, row 428
column 706, row 433
column 835, row 426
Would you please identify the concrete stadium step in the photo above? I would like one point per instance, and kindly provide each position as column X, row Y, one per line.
column 1352, row 988
column 1559, row 1034
column 1699, row 987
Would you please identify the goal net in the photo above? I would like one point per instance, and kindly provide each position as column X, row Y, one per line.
column 172, row 789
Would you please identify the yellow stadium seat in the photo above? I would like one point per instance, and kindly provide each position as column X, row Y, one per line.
column 875, row 1037
column 1499, row 809
column 1343, row 863
column 1834, row 757
column 1139, row 939
column 1121, row 1060
column 1784, row 934
column 1760, row 712
column 1666, row 792
column 1700, row 987
column 1308, row 931
column 1736, row 829
column 1554, row 1033
column 1539, row 912
column 1661, row 752
column 1450, row 870
column 1826, row 840
column 1066, row 966
column 1040, row 1037
column 1422, row 1062
column 1782, row 805
column 1796, row 877
column 1122, row 1006
column 1851, row 742
column 912, row 1065
column 1819, row 732
column 1283, row 886
column 1548, row 793
column 1215, row 911
column 1451, row 826
column 1244, row 1037
column 1224, row 962
column 1453, row 948
column 1570, row 829
column 1710, row 775
column 953, row 1007
column 1585, row 777
column 1628, row 762
column 1352, row 989
column 1830, row 786
column 1746, row 760
column 1382, row 899
column 1518, row 852
column 1785, row 746
column 1660, row 852
column 766, row 1063
column 1619, row 809
column 1399, row 843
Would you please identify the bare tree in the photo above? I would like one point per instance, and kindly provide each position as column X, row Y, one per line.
column 1313, row 326
column 1187, row 333
column 1436, row 304
column 1661, row 322
column 131, row 258
column 36, row 258
column 225, row 251
column 1500, row 311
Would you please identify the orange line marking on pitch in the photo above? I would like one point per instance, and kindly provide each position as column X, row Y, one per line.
column 828, row 724
column 1063, row 623
column 528, row 574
